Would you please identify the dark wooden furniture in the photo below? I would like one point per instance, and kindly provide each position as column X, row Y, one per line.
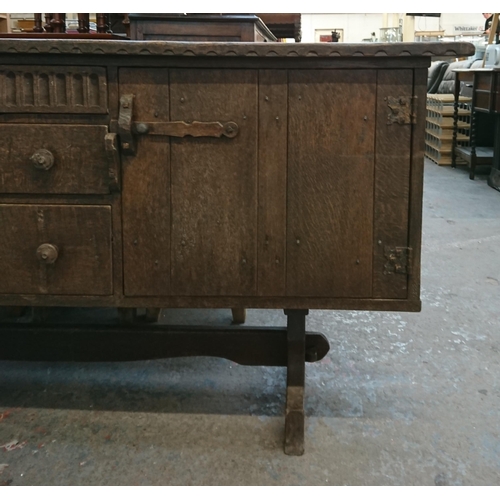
column 283, row 25
column 485, row 84
column 200, row 27
column 163, row 174
column 55, row 27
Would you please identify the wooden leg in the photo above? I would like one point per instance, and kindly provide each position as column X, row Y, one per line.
column 39, row 315
column 294, row 416
column 152, row 314
column 239, row 315
column 11, row 312
column 127, row 315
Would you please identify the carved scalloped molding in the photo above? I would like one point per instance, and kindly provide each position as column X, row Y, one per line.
column 234, row 49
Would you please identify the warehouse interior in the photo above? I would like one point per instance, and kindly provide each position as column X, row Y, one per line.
column 400, row 398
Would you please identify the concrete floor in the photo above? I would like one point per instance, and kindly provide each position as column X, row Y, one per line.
column 401, row 399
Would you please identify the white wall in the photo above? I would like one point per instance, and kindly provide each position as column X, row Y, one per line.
column 450, row 20
column 359, row 26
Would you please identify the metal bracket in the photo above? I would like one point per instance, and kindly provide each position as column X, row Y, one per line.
column 398, row 260
column 111, row 146
column 125, row 124
column 402, row 110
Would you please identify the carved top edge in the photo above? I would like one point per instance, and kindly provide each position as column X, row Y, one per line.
column 232, row 49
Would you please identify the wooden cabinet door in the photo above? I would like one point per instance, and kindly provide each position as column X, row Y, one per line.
column 319, row 163
column 348, row 183
column 214, row 184
column 190, row 203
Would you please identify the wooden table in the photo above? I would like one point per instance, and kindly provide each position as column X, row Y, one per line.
column 485, row 84
column 218, row 175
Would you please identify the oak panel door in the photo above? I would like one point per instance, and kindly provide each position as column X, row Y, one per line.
column 331, row 153
column 214, row 184
column 146, row 188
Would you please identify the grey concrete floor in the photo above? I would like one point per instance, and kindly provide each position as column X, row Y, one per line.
column 401, row 399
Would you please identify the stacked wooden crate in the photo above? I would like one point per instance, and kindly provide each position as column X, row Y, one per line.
column 439, row 127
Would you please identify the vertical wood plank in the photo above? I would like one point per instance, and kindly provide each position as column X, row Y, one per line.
column 273, row 127
column 146, row 188
column 392, row 182
column 417, row 182
column 330, row 183
column 214, row 185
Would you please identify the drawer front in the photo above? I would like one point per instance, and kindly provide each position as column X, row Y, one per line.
column 58, row 89
column 55, row 250
column 56, row 159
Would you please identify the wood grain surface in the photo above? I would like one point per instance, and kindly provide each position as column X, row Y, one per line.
column 417, row 184
column 214, row 185
column 273, row 131
column 392, row 182
column 330, row 183
column 146, row 188
column 82, row 236
column 81, row 164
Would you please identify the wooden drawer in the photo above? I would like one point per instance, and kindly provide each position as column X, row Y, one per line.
column 55, row 249
column 57, row 159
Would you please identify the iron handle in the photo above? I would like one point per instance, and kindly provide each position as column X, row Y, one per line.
column 42, row 159
column 47, row 253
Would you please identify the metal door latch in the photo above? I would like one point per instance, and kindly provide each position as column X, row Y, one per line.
column 128, row 130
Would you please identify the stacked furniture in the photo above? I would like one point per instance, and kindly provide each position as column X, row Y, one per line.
column 439, row 127
column 485, row 121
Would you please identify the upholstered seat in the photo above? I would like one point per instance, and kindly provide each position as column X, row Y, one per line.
column 435, row 75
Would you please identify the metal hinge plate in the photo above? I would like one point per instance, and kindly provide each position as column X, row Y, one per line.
column 402, row 110
column 398, row 260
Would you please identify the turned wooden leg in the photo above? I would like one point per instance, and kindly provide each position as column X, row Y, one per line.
column 239, row 315
column 294, row 416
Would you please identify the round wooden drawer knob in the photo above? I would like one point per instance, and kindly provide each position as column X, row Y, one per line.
column 42, row 159
column 47, row 253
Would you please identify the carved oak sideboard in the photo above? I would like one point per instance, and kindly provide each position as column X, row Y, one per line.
column 161, row 174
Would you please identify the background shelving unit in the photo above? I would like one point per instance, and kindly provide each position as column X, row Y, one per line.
column 439, row 127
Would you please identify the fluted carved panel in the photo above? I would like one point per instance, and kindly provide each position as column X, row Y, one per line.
column 64, row 89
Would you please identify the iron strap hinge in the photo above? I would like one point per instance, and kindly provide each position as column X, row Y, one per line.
column 398, row 260
column 402, row 110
